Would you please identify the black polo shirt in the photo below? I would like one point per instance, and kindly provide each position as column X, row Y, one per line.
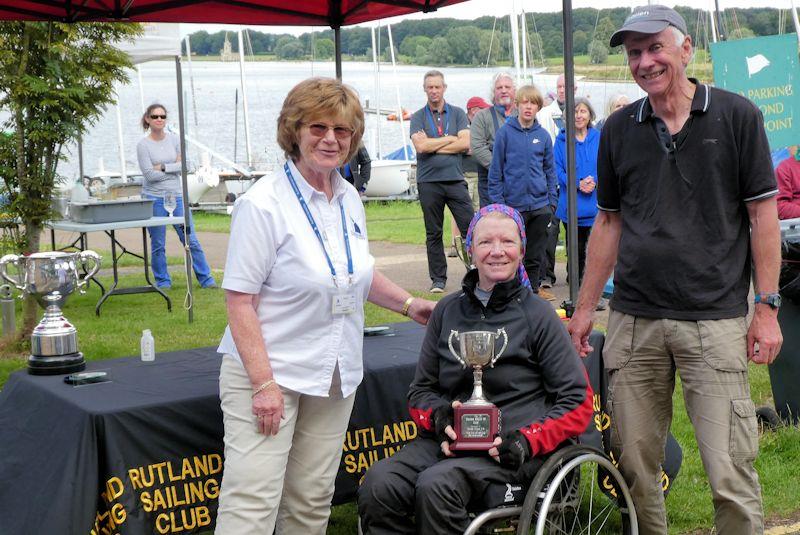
column 432, row 166
column 684, row 251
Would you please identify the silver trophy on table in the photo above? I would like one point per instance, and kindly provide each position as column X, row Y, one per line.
column 50, row 277
column 477, row 420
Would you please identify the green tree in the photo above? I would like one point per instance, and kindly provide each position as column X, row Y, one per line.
column 289, row 47
column 580, row 42
column 487, row 44
column 553, row 42
column 412, row 44
column 290, row 50
column 598, row 52
column 55, row 81
column 742, row 32
column 357, row 41
column 465, row 45
column 439, row 53
column 324, row 48
column 605, row 27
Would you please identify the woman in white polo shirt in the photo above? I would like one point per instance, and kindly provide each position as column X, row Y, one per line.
column 297, row 275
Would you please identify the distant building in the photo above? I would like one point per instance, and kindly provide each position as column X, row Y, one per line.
column 226, row 54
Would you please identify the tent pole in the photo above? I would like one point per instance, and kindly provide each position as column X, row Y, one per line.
column 337, row 41
column 569, row 122
column 187, row 259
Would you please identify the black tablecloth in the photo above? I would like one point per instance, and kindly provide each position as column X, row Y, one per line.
column 142, row 453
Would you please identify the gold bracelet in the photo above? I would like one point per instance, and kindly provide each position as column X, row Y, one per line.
column 406, row 306
column 263, row 387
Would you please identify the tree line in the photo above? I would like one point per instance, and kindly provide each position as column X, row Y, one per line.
column 486, row 40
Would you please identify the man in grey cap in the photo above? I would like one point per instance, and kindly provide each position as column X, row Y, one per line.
column 687, row 201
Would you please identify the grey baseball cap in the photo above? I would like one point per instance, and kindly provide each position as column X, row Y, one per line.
column 648, row 19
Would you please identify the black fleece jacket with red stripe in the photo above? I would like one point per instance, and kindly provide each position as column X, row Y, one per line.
column 539, row 382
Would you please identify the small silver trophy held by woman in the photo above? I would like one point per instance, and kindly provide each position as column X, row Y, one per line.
column 477, row 420
column 50, row 277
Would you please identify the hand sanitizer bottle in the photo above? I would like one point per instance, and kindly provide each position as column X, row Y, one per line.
column 148, row 346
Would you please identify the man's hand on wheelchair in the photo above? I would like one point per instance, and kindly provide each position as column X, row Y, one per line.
column 443, row 425
column 511, row 449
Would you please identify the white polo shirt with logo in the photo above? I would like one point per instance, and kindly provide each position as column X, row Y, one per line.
column 274, row 253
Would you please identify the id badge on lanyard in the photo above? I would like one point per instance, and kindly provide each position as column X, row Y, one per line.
column 344, row 296
column 344, row 301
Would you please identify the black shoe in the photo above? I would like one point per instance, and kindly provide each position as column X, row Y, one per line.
column 437, row 287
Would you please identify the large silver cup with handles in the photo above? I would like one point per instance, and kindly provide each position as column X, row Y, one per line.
column 477, row 420
column 50, row 277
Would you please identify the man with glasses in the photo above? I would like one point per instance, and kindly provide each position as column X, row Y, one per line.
column 440, row 134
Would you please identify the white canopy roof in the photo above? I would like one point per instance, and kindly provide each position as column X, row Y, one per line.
column 159, row 41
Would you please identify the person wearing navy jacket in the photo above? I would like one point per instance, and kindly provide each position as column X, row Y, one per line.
column 522, row 175
column 538, row 383
column 587, row 143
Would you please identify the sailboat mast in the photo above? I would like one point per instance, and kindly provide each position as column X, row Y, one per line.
column 122, row 168
column 796, row 21
column 244, row 102
column 512, row 17
column 191, row 78
column 376, row 63
column 523, row 23
column 720, row 31
column 397, row 93
column 711, row 18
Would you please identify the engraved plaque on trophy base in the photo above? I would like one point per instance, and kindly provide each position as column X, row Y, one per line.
column 476, row 427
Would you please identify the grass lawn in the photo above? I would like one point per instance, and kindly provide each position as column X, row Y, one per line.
column 117, row 331
column 396, row 222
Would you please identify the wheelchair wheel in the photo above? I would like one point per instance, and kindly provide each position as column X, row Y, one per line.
column 578, row 490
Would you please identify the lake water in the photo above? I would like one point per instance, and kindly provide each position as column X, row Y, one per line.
column 215, row 85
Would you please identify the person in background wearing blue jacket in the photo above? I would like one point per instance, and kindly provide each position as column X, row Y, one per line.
column 522, row 175
column 587, row 142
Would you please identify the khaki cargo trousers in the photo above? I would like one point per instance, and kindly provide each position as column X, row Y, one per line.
column 642, row 356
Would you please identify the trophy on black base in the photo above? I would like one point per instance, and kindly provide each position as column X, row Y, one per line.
column 50, row 277
column 477, row 420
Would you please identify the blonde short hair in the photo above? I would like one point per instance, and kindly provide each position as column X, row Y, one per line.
column 529, row 93
column 319, row 99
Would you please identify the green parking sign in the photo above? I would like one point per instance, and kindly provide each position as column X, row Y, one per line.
column 765, row 70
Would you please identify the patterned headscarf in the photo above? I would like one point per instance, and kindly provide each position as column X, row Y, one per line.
column 513, row 214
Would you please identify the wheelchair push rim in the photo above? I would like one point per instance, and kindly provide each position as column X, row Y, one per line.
column 571, row 502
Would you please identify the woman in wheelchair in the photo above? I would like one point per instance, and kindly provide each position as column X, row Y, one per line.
column 538, row 383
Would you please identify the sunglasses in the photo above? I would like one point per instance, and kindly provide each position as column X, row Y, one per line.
column 158, row 117
column 320, row 130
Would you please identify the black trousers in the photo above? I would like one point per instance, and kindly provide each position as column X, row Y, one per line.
column 483, row 187
column 548, row 269
column 536, row 234
column 418, row 490
column 583, row 240
column 433, row 197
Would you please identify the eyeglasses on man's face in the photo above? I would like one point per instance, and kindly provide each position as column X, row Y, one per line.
column 321, row 129
column 156, row 116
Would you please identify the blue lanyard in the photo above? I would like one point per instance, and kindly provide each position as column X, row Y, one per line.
column 314, row 227
column 437, row 128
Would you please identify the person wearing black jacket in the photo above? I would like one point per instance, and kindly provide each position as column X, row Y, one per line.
column 538, row 383
column 358, row 169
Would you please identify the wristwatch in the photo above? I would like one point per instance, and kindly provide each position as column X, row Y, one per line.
column 773, row 300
